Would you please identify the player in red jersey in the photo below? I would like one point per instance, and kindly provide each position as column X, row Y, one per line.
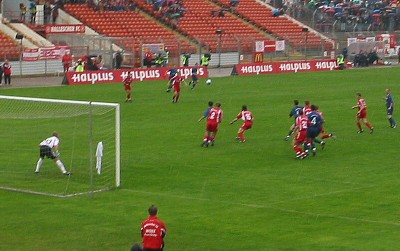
column 176, row 83
column 307, row 107
column 323, row 135
column 153, row 231
column 247, row 117
column 214, row 118
column 362, row 114
column 128, row 88
column 301, row 125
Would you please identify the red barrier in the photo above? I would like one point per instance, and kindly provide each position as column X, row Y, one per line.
column 284, row 67
column 112, row 76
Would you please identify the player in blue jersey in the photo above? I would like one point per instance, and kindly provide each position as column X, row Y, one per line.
column 207, row 111
column 294, row 113
column 390, row 108
column 195, row 79
column 171, row 73
column 314, row 128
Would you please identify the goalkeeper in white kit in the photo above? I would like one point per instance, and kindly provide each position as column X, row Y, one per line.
column 49, row 149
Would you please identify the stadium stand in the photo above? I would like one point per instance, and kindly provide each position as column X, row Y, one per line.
column 134, row 25
column 10, row 48
column 200, row 20
column 281, row 26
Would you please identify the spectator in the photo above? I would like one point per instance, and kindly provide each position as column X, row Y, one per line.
column 234, row 3
column 340, row 62
column 7, row 72
column 372, row 57
column 91, row 63
column 159, row 60
column 344, row 53
column 54, row 13
column 66, row 61
column 148, row 59
column 131, row 5
column 398, row 54
column 186, row 56
column 79, row 66
column 1, row 73
column 22, row 12
column 278, row 12
column 118, row 60
column 165, row 57
column 46, row 12
column 205, row 59
column 99, row 62
column 32, row 11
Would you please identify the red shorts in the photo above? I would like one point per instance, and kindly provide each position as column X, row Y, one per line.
column 301, row 136
column 362, row 114
column 212, row 126
column 247, row 125
column 177, row 88
column 128, row 89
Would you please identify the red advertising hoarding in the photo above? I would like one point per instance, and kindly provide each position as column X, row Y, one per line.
column 65, row 29
column 285, row 67
column 112, row 76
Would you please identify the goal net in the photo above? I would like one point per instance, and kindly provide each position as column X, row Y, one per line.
column 82, row 127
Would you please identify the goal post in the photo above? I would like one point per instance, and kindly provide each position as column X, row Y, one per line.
column 82, row 126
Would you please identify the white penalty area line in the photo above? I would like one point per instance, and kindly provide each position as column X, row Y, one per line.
column 272, row 207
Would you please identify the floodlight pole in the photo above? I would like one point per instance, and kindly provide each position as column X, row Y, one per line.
column 305, row 30
column 219, row 32
column 20, row 37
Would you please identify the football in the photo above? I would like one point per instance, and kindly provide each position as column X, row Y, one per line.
column 208, row 81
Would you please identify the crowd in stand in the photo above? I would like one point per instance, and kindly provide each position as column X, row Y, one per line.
column 50, row 11
column 367, row 14
column 112, row 5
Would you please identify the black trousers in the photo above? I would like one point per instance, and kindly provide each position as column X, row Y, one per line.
column 7, row 79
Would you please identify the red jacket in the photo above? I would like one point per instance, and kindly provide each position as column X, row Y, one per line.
column 153, row 231
column 7, row 68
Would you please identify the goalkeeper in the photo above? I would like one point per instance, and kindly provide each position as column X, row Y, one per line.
column 49, row 149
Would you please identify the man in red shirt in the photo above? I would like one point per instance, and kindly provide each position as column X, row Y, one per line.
column 214, row 118
column 153, row 231
column 66, row 61
column 176, row 83
column 362, row 114
column 128, row 88
column 301, row 125
column 247, row 117
column 7, row 72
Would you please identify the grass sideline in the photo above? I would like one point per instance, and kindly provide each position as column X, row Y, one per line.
column 252, row 196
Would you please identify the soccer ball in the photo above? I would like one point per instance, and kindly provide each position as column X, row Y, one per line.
column 208, row 81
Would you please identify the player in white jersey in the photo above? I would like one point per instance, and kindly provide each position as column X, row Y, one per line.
column 49, row 148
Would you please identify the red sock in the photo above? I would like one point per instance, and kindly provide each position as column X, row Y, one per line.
column 325, row 136
column 359, row 125
column 297, row 149
column 368, row 125
column 241, row 136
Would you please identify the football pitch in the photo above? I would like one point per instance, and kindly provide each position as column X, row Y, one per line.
column 231, row 196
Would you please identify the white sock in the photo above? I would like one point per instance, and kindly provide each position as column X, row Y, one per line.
column 61, row 166
column 38, row 165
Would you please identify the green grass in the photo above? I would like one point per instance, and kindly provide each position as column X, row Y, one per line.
column 252, row 196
